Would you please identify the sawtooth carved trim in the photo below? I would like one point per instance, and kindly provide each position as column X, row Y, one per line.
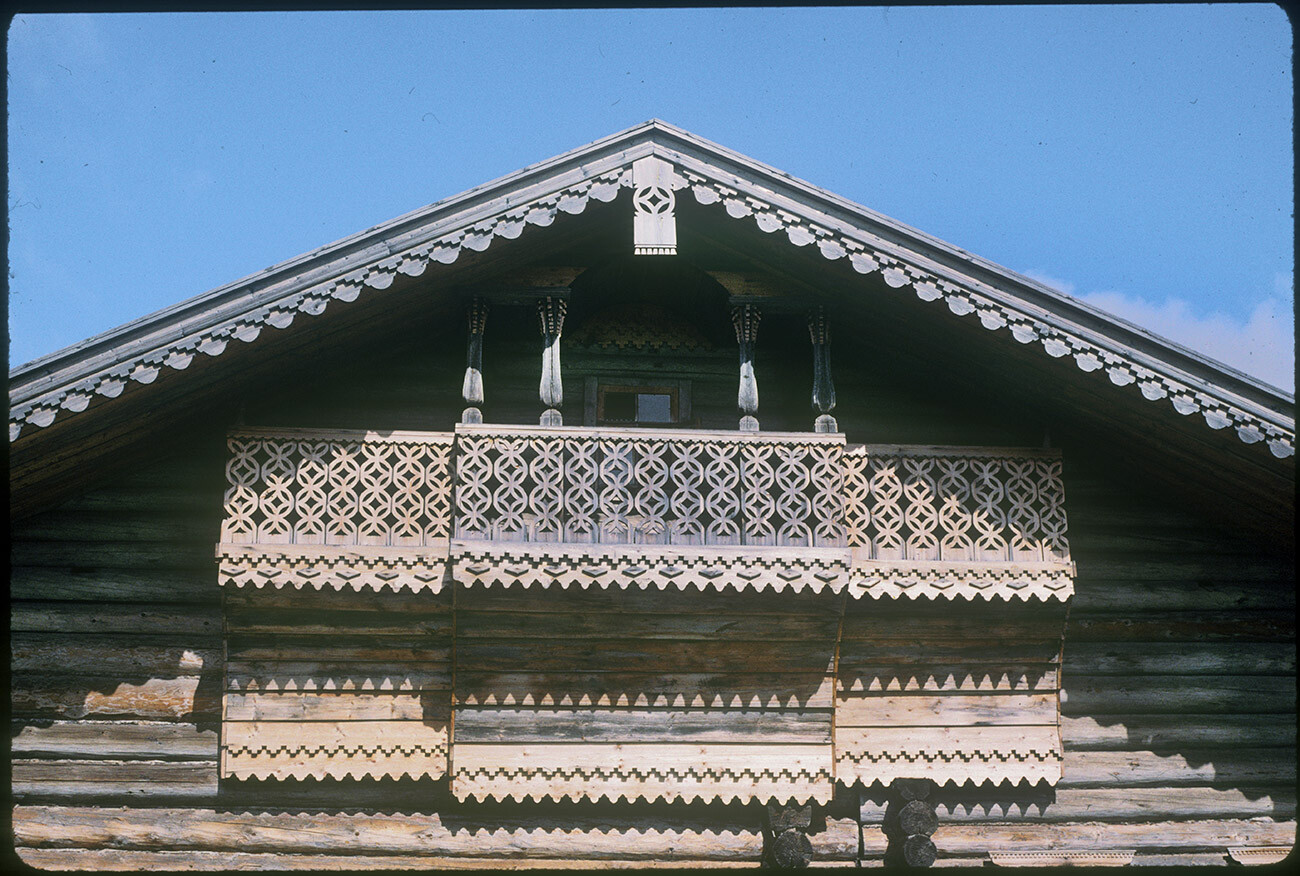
column 632, row 771
column 1064, row 858
column 987, row 581
column 587, row 566
column 976, row 766
column 324, row 567
column 900, row 268
column 1259, row 854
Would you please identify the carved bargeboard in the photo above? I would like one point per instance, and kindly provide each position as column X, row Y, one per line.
column 537, row 526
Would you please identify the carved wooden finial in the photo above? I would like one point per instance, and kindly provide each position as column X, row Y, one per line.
column 654, row 225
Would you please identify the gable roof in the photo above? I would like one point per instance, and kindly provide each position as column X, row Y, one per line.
column 124, row 361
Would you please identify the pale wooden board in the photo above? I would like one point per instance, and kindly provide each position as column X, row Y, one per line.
column 908, row 710
column 1241, row 768
column 1042, row 738
column 297, row 707
column 334, row 735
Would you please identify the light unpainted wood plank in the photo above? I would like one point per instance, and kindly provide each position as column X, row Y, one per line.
column 1171, row 732
column 775, row 726
column 1042, row 738
column 683, row 689
column 294, row 707
column 294, row 736
column 895, row 710
column 114, row 739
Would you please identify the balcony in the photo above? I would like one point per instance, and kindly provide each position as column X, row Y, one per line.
column 580, row 507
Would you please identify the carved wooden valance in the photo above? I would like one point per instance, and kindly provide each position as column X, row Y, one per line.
column 342, row 552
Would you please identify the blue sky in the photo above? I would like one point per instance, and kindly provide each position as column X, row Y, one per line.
column 1139, row 157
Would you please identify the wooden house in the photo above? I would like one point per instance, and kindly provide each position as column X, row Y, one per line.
column 647, row 507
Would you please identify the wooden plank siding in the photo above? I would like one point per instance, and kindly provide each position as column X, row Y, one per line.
column 1177, row 676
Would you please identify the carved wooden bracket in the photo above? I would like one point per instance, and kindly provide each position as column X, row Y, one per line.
column 654, row 224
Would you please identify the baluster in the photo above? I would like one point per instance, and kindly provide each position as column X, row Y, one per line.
column 550, row 312
column 472, row 389
column 823, row 391
column 745, row 318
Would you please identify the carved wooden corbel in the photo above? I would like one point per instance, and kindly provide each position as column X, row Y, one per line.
column 823, row 392
column 472, row 389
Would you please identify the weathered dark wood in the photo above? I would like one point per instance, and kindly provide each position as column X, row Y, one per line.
column 1198, row 694
column 919, row 851
column 114, row 739
column 203, row 620
column 646, row 725
column 114, row 778
column 183, row 698
column 917, row 817
column 1121, row 732
column 791, row 849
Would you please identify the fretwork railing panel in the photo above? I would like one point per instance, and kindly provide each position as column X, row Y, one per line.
column 308, row 487
column 649, row 487
column 952, row 503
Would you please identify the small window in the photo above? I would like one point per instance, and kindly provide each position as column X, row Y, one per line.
column 627, row 402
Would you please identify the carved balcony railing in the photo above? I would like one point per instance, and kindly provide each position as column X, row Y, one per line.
column 642, row 507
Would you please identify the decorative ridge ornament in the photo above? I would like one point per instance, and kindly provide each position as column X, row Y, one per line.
column 654, row 223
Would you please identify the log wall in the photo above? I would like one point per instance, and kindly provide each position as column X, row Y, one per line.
column 1177, row 677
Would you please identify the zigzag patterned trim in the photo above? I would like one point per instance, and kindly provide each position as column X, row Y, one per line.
column 338, row 569
column 667, row 774
column 965, row 755
column 177, row 354
column 969, row 298
column 1064, row 858
column 986, row 581
column 269, row 751
column 662, row 569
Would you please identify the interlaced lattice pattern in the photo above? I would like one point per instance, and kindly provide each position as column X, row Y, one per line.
column 642, row 487
column 338, row 488
column 955, row 504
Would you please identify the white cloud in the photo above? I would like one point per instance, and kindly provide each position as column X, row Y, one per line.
column 1262, row 344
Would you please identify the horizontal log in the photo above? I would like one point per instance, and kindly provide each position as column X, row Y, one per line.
column 202, row 619
column 339, row 622
column 858, row 677
column 1180, row 658
column 301, row 675
column 1203, row 564
column 109, row 778
column 288, row 706
column 112, row 525
column 474, row 724
column 1170, row 694
column 328, row 599
column 884, row 710
column 592, row 838
column 132, row 860
column 1200, row 835
column 1240, row 767
column 113, row 585
column 1182, row 626
column 119, row 555
column 60, row 653
column 663, row 624
column 1123, row 595
column 976, row 651
column 339, row 647
column 114, row 739
column 939, row 623
column 641, row 655
column 683, row 689
column 679, row 603
column 1153, row 732
column 184, row 698
column 1103, row 804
